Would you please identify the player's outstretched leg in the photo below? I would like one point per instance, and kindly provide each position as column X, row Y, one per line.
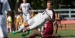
column 19, row 30
column 26, row 32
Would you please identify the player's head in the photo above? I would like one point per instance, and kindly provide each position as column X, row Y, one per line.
column 49, row 4
column 24, row 1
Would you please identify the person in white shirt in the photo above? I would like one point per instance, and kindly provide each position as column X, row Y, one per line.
column 39, row 19
column 4, row 6
column 25, row 8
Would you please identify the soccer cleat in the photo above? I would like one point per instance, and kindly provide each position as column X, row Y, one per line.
column 15, row 32
column 26, row 33
column 30, row 31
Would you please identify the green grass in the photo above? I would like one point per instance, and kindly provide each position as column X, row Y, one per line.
column 63, row 34
column 67, row 33
column 18, row 35
column 15, row 35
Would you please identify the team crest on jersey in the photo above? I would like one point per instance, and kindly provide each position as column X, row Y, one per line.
column 25, row 7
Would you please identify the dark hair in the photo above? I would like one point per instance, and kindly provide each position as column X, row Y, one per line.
column 50, row 1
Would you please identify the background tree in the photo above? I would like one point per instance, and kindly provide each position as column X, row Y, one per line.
column 12, row 5
column 56, row 4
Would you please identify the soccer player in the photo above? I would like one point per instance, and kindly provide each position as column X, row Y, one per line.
column 46, row 32
column 41, row 18
column 25, row 8
column 4, row 5
column 17, row 21
column 57, row 22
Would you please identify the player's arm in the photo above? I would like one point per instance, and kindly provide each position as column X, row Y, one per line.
column 30, row 9
column 31, row 12
column 52, row 19
column 19, row 9
column 8, row 9
column 53, row 16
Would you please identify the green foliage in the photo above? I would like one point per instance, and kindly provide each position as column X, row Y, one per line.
column 56, row 3
column 37, row 4
column 41, row 4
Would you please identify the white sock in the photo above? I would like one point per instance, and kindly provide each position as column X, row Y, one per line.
column 21, row 28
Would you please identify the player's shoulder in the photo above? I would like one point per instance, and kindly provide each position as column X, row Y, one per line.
column 46, row 9
column 28, row 3
column 21, row 3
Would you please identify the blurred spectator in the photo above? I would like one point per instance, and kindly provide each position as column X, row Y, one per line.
column 9, row 22
column 57, row 22
column 17, row 21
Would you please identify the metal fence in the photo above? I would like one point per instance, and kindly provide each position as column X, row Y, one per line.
column 65, row 13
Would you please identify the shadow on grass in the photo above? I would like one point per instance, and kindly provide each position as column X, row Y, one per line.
column 66, row 36
column 56, row 36
column 25, row 37
column 51, row 37
column 59, row 36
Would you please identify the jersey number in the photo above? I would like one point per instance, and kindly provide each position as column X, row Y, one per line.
column 1, row 4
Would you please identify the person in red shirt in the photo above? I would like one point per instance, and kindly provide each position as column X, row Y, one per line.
column 48, row 29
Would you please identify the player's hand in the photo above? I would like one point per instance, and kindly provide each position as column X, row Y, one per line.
column 26, row 24
column 26, row 29
column 19, row 11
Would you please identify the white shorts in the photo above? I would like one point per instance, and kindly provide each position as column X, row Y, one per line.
column 3, row 28
column 36, row 21
column 26, row 17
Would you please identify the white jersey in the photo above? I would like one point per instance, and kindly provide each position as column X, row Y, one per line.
column 41, row 16
column 25, row 8
column 50, row 12
column 4, row 6
column 39, row 19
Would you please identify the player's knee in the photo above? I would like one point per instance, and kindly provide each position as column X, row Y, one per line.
column 26, row 24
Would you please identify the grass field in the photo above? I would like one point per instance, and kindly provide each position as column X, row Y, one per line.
column 62, row 34
column 67, row 34
column 18, row 35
